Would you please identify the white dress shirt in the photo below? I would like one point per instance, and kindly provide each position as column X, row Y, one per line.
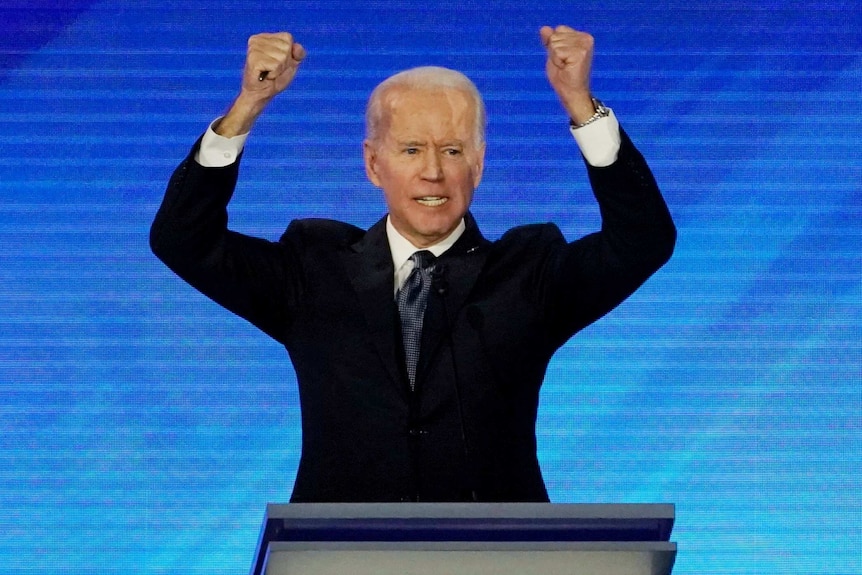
column 401, row 250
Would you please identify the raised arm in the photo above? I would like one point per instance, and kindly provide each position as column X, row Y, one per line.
column 594, row 274
column 254, row 278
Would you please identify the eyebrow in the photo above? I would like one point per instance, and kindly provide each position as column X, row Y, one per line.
column 444, row 144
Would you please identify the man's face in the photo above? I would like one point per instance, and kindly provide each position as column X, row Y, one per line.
column 426, row 160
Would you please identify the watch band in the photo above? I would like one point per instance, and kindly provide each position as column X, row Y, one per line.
column 602, row 111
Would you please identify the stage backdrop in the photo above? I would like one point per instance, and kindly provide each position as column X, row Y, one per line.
column 144, row 428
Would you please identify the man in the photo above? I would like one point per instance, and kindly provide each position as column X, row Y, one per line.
column 419, row 376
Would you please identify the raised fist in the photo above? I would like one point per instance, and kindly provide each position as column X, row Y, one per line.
column 271, row 63
column 570, row 59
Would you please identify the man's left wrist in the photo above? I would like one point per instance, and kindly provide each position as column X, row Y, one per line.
column 600, row 111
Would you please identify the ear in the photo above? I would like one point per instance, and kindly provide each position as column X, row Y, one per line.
column 478, row 167
column 369, row 151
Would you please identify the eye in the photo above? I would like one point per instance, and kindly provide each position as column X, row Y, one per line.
column 411, row 151
column 452, row 151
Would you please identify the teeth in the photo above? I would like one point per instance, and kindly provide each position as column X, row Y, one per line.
column 432, row 201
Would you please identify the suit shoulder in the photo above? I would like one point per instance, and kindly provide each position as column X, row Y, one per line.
column 531, row 234
column 320, row 231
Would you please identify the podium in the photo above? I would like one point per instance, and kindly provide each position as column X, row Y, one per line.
column 465, row 539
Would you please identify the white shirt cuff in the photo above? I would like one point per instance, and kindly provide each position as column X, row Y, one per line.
column 217, row 151
column 599, row 141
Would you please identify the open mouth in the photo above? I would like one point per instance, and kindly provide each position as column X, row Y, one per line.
column 432, row 201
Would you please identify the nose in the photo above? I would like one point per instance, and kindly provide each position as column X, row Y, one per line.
column 432, row 170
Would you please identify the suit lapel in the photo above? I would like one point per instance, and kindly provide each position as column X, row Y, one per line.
column 369, row 267
column 459, row 271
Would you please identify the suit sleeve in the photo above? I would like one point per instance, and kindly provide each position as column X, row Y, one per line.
column 589, row 277
column 256, row 279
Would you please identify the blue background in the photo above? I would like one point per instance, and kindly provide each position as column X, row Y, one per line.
column 142, row 424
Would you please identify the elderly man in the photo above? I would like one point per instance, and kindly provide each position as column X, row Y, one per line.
column 419, row 346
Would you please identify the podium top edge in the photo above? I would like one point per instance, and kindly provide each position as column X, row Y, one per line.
column 579, row 511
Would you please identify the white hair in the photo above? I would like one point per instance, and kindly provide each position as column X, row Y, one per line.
column 424, row 77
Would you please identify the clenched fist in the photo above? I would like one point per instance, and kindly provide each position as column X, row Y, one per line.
column 278, row 55
column 270, row 65
column 570, row 59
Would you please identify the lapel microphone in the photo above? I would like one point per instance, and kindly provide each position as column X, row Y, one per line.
column 438, row 279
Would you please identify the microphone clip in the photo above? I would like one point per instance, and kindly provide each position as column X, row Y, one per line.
column 438, row 279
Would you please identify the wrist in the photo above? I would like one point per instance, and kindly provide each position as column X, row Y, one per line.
column 585, row 118
column 579, row 106
column 241, row 116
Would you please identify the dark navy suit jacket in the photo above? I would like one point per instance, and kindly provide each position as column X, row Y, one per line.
column 498, row 312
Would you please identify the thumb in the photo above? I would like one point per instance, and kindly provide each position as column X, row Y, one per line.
column 297, row 52
column 545, row 34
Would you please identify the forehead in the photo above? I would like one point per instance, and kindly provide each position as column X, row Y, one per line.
column 437, row 112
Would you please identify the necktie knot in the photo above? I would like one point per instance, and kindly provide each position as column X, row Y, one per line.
column 423, row 259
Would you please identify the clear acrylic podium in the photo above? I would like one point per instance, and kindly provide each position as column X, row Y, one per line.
column 465, row 539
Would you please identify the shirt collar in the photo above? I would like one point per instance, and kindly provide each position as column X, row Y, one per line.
column 401, row 248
